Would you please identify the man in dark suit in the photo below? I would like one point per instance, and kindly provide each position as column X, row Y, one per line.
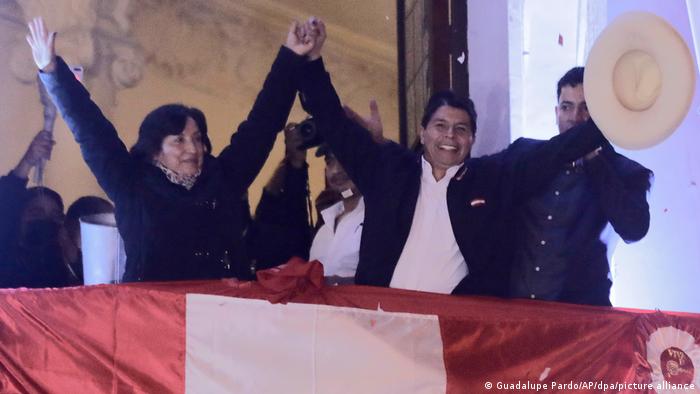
column 439, row 221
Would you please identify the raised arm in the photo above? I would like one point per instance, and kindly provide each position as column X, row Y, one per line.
column 252, row 143
column 100, row 145
column 373, row 122
column 352, row 144
column 532, row 169
column 14, row 185
column 39, row 149
column 621, row 187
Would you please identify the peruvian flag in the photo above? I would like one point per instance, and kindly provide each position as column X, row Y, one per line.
column 288, row 333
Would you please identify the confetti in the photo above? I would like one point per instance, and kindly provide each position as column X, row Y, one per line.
column 461, row 58
column 561, row 40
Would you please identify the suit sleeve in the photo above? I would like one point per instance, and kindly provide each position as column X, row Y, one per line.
column 350, row 143
column 621, row 187
column 100, row 145
column 250, row 146
column 533, row 168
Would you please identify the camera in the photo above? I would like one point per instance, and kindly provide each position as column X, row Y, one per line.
column 309, row 134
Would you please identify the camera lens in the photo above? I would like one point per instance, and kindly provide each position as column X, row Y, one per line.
column 307, row 129
column 309, row 134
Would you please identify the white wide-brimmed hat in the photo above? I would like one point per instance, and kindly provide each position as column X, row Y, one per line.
column 639, row 80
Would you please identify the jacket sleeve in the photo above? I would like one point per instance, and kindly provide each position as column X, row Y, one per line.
column 12, row 190
column 533, row 168
column 250, row 146
column 350, row 142
column 621, row 187
column 100, row 145
column 280, row 229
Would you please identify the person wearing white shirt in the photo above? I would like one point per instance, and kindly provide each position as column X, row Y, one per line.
column 337, row 241
column 408, row 239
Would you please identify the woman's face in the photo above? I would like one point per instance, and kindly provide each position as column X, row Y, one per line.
column 183, row 153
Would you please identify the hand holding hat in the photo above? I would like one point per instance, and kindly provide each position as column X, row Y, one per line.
column 639, row 80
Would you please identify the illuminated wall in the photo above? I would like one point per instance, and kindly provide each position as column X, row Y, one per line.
column 212, row 54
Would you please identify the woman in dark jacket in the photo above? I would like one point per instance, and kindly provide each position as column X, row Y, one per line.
column 178, row 208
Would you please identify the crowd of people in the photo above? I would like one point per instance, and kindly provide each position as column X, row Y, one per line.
column 525, row 222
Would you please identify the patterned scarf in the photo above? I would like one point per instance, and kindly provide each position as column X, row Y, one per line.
column 186, row 181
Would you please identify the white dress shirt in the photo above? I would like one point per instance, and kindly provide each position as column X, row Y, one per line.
column 339, row 249
column 431, row 259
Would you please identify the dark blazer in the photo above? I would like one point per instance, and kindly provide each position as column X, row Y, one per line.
column 388, row 176
column 171, row 233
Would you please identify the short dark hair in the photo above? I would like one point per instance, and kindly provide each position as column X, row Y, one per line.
column 86, row 205
column 36, row 191
column 449, row 98
column 169, row 119
column 573, row 78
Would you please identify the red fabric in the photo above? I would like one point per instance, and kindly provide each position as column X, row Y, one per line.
column 92, row 340
column 131, row 338
column 293, row 279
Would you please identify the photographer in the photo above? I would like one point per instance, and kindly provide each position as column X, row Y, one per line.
column 281, row 228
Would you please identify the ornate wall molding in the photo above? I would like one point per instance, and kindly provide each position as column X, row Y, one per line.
column 219, row 47
column 94, row 34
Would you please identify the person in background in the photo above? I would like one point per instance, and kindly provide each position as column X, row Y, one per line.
column 83, row 206
column 34, row 246
column 561, row 252
column 281, row 225
column 280, row 228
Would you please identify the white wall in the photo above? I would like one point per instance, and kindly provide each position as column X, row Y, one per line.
column 488, row 73
column 663, row 269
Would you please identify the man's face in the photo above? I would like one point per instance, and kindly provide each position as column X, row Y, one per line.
column 447, row 138
column 572, row 109
column 336, row 177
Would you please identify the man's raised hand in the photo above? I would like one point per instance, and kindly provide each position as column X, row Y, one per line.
column 316, row 31
column 39, row 149
column 373, row 122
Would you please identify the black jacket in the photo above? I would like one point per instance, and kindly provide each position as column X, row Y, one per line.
column 280, row 228
column 171, row 233
column 388, row 176
column 38, row 260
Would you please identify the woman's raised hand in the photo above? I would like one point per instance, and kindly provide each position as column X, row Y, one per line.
column 42, row 43
column 307, row 38
column 297, row 39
